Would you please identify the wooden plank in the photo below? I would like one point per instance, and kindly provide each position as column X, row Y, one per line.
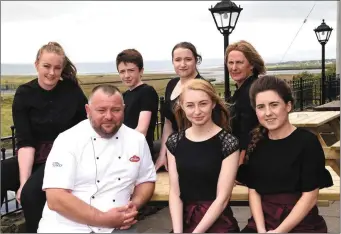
column 240, row 193
column 312, row 119
column 336, row 146
column 334, row 165
column 335, row 126
column 330, row 106
column 331, row 153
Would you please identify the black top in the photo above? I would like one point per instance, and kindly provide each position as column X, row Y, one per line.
column 141, row 98
column 39, row 115
column 293, row 164
column 243, row 116
column 168, row 107
column 199, row 163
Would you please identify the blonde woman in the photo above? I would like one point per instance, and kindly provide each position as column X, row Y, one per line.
column 203, row 160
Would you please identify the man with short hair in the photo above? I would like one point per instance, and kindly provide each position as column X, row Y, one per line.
column 141, row 100
column 99, row 172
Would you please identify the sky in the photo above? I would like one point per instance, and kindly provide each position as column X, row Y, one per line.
column 94, row 31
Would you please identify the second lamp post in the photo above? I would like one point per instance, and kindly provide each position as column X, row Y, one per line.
column 323, row 32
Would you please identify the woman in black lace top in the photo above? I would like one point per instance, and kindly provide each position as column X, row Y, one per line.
column 285, row 168
column 203, row 161
column 42, row 108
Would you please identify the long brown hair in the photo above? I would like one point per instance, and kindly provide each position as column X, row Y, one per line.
column 69, row 70
column 250, row 53
column 263, row 84
column 205, row 86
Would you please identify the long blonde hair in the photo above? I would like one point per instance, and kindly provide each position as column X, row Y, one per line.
column 221, row 107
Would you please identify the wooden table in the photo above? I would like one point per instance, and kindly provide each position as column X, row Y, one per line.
column 330, row 106
column 313, row 120
column 240, row 193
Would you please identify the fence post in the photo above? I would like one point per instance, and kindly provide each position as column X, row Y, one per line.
column 13, row 140
column 162, row 103
column 301, row 93
column 3, row 151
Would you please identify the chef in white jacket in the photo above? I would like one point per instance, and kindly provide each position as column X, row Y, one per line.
column 99, row 172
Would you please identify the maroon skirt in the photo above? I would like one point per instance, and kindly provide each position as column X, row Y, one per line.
column 42, row 151
column 278, row 206
column 195, row 211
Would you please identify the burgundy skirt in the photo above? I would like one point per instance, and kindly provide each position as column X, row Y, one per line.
column 42, row 151
column 195, row 211
column 278, row 206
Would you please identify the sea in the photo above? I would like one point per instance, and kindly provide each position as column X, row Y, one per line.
column 209, row 68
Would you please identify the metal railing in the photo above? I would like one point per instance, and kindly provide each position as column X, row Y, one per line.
column 8, row 202
column 307, row 92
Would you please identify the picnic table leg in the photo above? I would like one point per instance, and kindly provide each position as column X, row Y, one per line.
column 334, row 165
column 317, row 133
column 335, row 125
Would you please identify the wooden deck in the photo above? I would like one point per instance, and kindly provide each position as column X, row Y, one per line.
column 240, row 193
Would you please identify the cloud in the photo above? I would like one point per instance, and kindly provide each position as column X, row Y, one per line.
column 95, row 31
column 19, row 11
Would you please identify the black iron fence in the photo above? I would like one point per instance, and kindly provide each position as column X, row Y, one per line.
column 10, row 205
column 307, row 92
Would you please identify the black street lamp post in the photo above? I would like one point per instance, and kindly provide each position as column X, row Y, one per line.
column 225, row 15
column 323, row 34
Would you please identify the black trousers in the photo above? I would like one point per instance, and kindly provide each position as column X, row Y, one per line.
column 32, row 198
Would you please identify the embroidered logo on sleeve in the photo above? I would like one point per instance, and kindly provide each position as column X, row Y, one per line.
column 56, row 164
column 134, row 159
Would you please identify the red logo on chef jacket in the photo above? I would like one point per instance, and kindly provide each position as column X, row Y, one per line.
column 134, row 159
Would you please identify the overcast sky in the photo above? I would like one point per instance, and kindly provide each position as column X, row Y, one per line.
column 94, row 31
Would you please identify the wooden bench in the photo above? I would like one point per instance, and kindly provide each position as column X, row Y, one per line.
column 314, row 121
column 330, row 106
column 240, row 193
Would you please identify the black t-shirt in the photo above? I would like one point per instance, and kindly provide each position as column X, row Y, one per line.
column 39, row 115
column 243, row 116
column 199, row 163
column 293, row 164
column 141, row 98
column 168, row 107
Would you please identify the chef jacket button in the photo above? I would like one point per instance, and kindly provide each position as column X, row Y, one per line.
column 93, row 197
column 119, row 157
column 97, row 181
column 119, row 178
column 113, row 200
column 97, row 157
column 116, row 137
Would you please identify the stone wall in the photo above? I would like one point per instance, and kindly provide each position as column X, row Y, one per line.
column 13, row 223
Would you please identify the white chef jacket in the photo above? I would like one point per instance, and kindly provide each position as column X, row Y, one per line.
column 101, row 172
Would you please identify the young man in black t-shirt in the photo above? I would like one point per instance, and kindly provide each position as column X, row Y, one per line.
column 141, row 100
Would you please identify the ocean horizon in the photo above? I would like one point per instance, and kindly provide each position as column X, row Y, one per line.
column 209, row 68
column 161, row 66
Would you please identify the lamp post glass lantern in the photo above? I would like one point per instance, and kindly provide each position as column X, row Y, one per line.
column 323, row 32
column 225, row 15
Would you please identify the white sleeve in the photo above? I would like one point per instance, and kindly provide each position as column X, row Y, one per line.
column 147, row 171
column 60, row 168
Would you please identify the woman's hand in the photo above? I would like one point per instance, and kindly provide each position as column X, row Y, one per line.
column 161, row 161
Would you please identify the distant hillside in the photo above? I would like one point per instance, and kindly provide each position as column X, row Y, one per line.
column 298, row 65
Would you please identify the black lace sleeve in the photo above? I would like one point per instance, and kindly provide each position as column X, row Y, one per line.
column 229, row 143
column 172, row 141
